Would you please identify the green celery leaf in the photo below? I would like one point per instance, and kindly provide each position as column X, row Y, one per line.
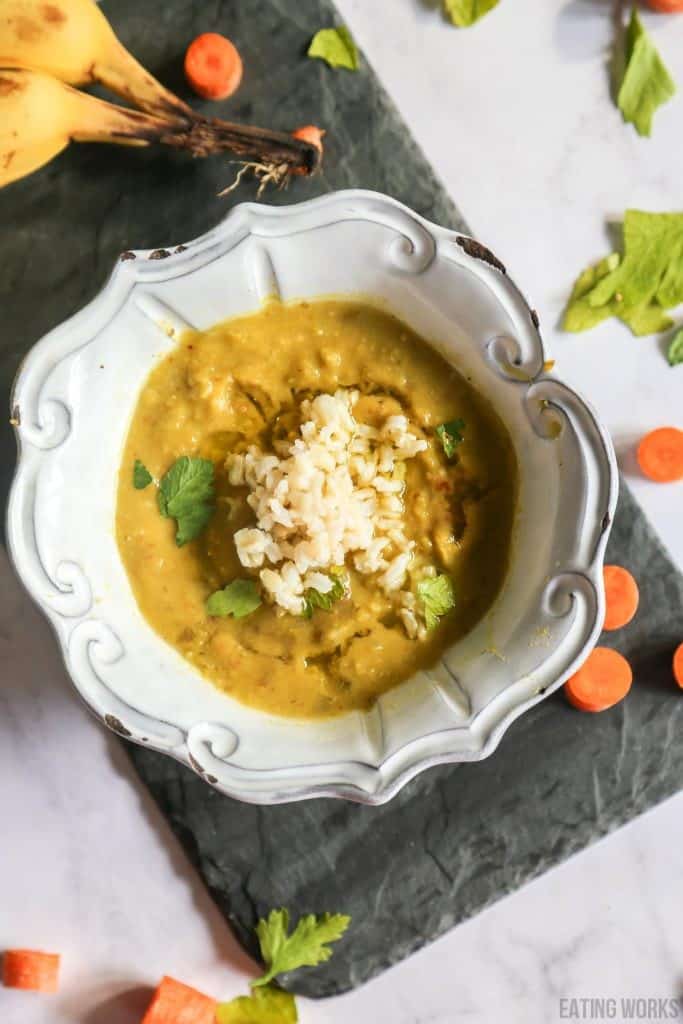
column 451, row 435
column 647, row 83
column 644, row 320
column 239, row 598
column 336, row 46
column 186, row 493
column 652, row 265
column 265, row 1006
column 141, row 476
column 437, row 596
column 305, row 947
column 675, row 351
column 314, row 599
column 579, row 314
column 464, row 13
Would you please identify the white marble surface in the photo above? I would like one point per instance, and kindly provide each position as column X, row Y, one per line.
column 515, row 116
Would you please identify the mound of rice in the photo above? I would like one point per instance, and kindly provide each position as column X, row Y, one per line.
column 335, row 492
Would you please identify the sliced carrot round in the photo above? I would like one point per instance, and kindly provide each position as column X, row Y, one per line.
column 660, row 455
column 678, row 665
column 30, row 969
column 666, row 6
column 621, row 596
column 602, row 681
column 213, row 66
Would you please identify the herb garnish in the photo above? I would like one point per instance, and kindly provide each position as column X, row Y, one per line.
column 141, row 475
column 305, row 947
column 675, row 350
column 315, row 599
column 336, row 46
column 264, row 1006
column 638, row 287
column 646, row 84
column 437, row 596
column 239, row 598
column 186, row 493
column 464, row 13
column 451, row 435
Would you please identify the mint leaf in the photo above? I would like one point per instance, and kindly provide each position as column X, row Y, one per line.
column 437, row 597
column 141, row 476
column 464, row 13
column 647, row 83
column 315, row 599
column 305, row 947
column 451, row 435
column 186, row 495
column 265, row 1006
column 675, row 351
column 336, row 46
column 239, row 598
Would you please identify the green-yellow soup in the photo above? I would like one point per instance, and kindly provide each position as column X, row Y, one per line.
column 241, row 383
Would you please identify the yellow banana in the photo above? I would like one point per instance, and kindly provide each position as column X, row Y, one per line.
column 72, row 40
column 40, row 116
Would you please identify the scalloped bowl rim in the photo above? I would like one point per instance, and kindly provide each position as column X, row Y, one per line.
column 418, row 246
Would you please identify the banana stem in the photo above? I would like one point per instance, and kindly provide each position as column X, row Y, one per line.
column 99, row 121
column 204, row 137
column 125, row 76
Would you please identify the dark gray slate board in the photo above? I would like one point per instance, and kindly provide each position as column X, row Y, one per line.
column 454, row 839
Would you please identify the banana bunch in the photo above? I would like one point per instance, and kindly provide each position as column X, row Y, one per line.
column 47, row 47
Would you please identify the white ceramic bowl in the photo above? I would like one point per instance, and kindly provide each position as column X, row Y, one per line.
column 74, row 398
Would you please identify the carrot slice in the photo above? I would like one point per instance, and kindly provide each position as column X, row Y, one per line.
column 621, row 596
column 666, row 6
column 602, row 681
column 678, row 665
column 176, row 1003
column 213, row 66
column 660, row 455
column 30, row 969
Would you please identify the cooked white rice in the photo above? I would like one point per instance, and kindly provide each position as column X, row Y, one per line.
column 335, row 491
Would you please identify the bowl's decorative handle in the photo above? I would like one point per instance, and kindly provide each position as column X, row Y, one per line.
column 92, row 646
